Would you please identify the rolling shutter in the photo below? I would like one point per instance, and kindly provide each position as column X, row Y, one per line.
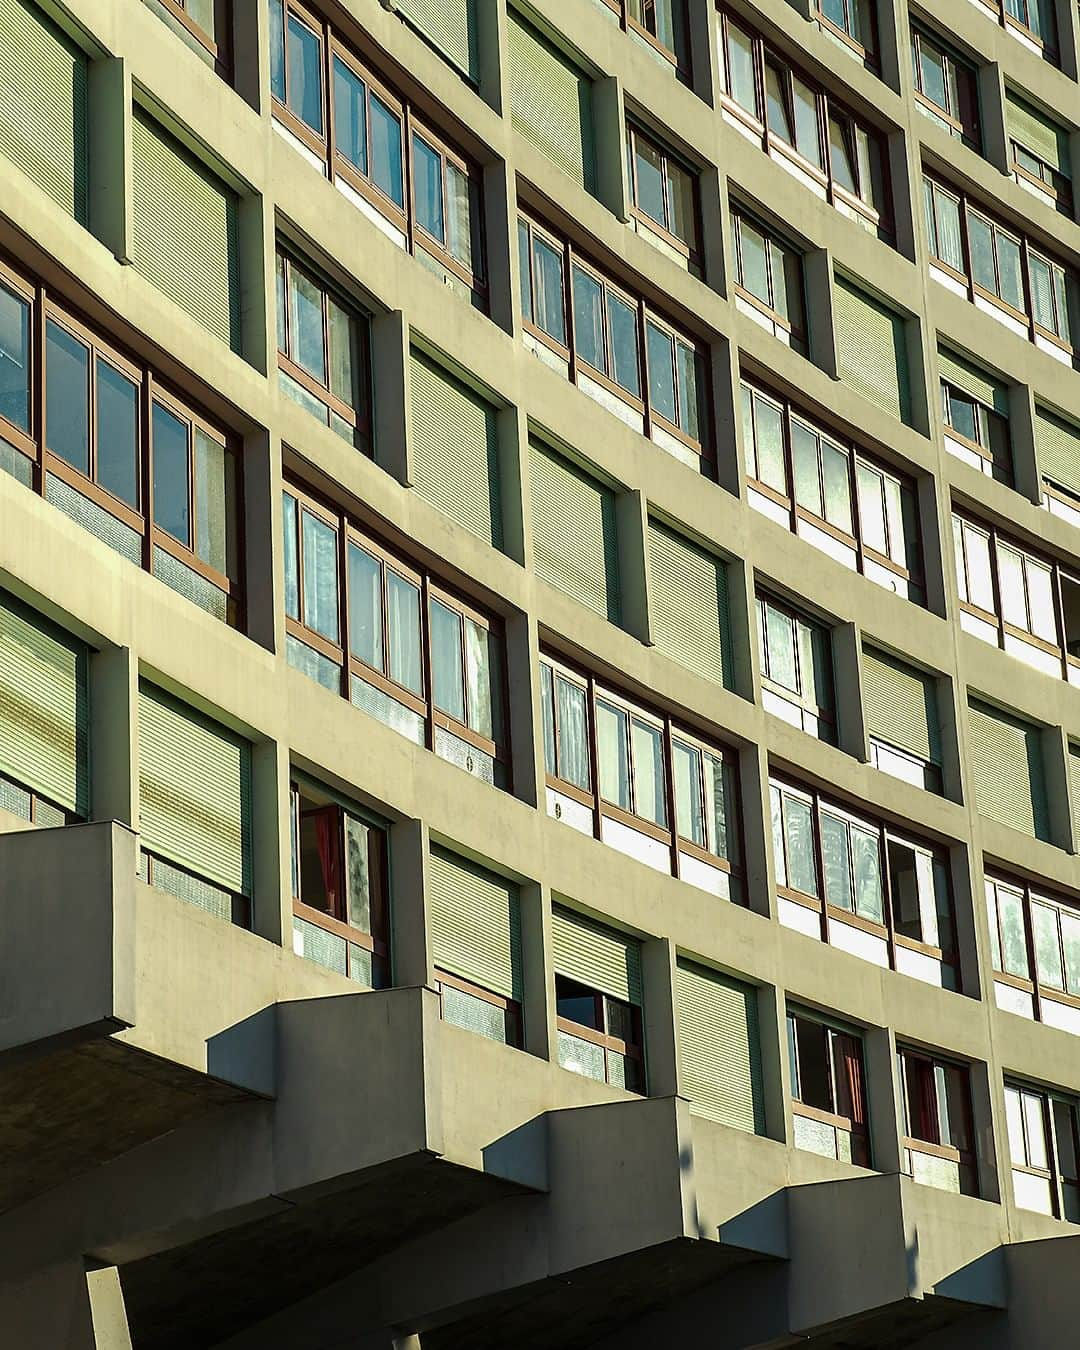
column 184, row 229
column 551, row 102
column 1038, row 135
column 44, row 708
column 719, row 1047
column 1074, row 792
column 195, row 791
column 575, row 545
column 900, row 705
column 451, row 26
column 1057, row 444
column 43, row 76
column 871, row 349
column 974, row 381
column 689, row 604
column 1007, row 770
column 596, row 956
column 475, row 924
column 455, row 449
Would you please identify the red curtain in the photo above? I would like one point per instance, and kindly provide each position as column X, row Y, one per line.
column 929, row 1128
column 849, row 1072
column 328, row 838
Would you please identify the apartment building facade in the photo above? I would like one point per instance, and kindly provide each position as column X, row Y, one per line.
column 539, row 607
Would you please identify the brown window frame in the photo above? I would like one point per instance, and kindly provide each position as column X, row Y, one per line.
column 1053, row 184
column 511, row 1008
column 219, row 47
column 799, row 338
column 690, row 249
column 971, row 136
column 985, row 452
column 965, row 1158
column 1031, row 983
column 1050, row 49
column 868, row 54
column 764, row 598
column 858, row 1131
column 633, row 1050
column 628, row 23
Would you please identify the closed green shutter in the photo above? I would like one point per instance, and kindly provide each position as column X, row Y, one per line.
column 43, row 77
column 44, row 708
column 475, row 924
column 455, row 449
column 900, row 705
column 1007, row 770
column 551, row 102
column 1057, row 444
column 1038, row 134
column 184, row 229
column 575, row 545
column 596, row 956
column 1074, row 792
column 689, row 604
column 194, row 791
column 871, row 349
column 451, row 26
column 974, row 381
column 719, row 1047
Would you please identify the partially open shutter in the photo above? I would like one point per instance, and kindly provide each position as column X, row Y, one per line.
column 1057, row 444
column 575, row 545
column 451, row 26
column 184, row 229
column 689, row 604
column 194, row 791
column 1007, row 770
column 551, row 102
column 974, row 380
column 900, row 705
column 596, row 956
column 719, row 1047
column 44, row 709
column 1038, row 134
column 455, row 461
column 475, row 923
column 43, row 78
column 1074, row 791
column 871, row 349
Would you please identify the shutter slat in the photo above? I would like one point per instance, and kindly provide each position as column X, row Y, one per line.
column 195, row 791
column 871, row 349
column 551, row 102
column 184, row 236
column 719, row 1047
column 1057, row 443
column 475, row 924
column 43, row 123
column 455, row 463
column 598, row 957
column 574, row 532
column 451, row 26
column 689, row 604
column 1007, row 770
column 1038, row 134
column 44, row 713
column 974, row 380
column 900, row 705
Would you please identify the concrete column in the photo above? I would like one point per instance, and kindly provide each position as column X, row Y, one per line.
column 263, row 561
column 983, row 1092
column 410, row 946
column 491, row 42
column 1068, row 27
column 965, row 879
column 883, row 1101
column 755, row 810
column 256, row 244
column 894, row 42
column 609, row 129
column 1025, row 460
column 818, row 281
column 251, row 53
column 701, row 39
column 271, row 834
column 539, row 978
column 107, row 1311
column 500, row 237
column 851, row 734
column 512, row 436
column 947, row 694
column 525, row 714
column 661, row 1052
column 744, row 677
column 109, row 121
column 904, row 194
column 632, row 530
column 390, row 375
column 775, row 1063
column 995, row 141
column 1055, row 753
column 114, row 768
column 935, row 533
column 727, row 418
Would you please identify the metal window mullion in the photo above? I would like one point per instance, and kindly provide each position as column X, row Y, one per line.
column 343, row 622
column 594, row 755
column 669, row 795
column 147, row 465
column 568, row 303
column 887, row 895
column 1025, row 281
column 429, row 682
column 1029, row 943
column 995, row 586
column 407, row 168
column 819, row 864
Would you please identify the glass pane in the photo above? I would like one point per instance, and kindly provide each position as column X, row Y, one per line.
column 932, row 74
column 548, row 290
column 960, row 412
column 612, row 750
column 799, row 831
column 428, row 188
column 981, row 242
column 581, row 1057
column 1070, row 941
column 649, row 171
column 1012, row 286
column 769, row 443
column 780, row 648
column 661, row 371
column 1065, row 1139
column 837, row 480
column 589, row 320
column 358, row 872
column 578, row 1003
column 344, row 354
column 292, row 568
column 277, row 50
column 1044, row 925
column 687, row 363
column 1042, row 295
column 282, row 319
column 459, row 215
column 1011, row 585
column 871, row 508
column 776, row 810
column 682, row 217
column 776, row 108
column 350, row 116
column 365, row 606
column 648, row 751
column 979, row 577
column 524, row 273
column 1040, row 590
column 807, row 141
column 447, row 666
column 305, row 74
column 836, row 854
column 949, row 247
column 474, row 1014
column 117, row 433
column 67, row 397
column 804, row 456
column 740, row 68
column 480, row 687
column 1035, row 1130
column 686, row 766
column 1014, row 1119
column 172, row 509
column 386, row 151
column 753, row 267
column 622, row 320
column 306, row 324
column 213, row 501
column 720, row 805
column 573, row 734
column 843, row 166
column 547, row 705
column 14, row 359
column 1013, row 942
column 866, row 862
column 320, row 576
column 403, row 624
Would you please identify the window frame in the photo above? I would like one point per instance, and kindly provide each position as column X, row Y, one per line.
column 798, row 337
column 858, row 1131
column 1053, row 1174
column 511, row 1008
column 868, row 53
column 315, row 142
column 965, row 1159
column 816, row 718
column 1030, row 984
column 472, row 275
column 688, row 248
column 963, row 69
column 629, row 23
column 989, row 416
column 218, row 45
column 1010, row 23
column 1050, row 182
column 610, row 1044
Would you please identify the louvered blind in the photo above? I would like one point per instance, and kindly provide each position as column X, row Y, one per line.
column 475, row 923
column 871, row 349
column 719, row 1047
column 596, row 956
column 1057, row 444
column 575, row 544
column 194, row 791
column 44, row 709
column 1038, row 134
column 900, row 705
column 974, row 381
column 1007, row 770
column 1074, row 791
column 43, row 78
column 551, row 102
column 451, row 26
column 184, row 229
column 455, row 460
column 689, row 604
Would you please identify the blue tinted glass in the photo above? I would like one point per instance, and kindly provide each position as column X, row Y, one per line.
column 117, row 433
column 305, row 74
column 386, row 151
column 172, row 509
column 350, row 116
column 14, row 359
column 427, row 189
column 67, row 397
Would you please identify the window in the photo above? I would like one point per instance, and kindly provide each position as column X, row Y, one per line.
column 900, row 714
column 796, row 668
column 825, row 489
column 643, row 761
column 1039, row 152
column 620, row 352
column 1044, row 1146
column 322, row 352
column 1032, row 21
column 378, row 648
column 769, row 281
column 663, row 193
column 828, row 1090
column 939, row 1141
column 853, row 20
column 862, row 886
column 339, row 886
column 946, row 87
column 205, row 26
column 976, row 410
column 662, row 23
column 1035, row 948
column 296, row 70
column 1057, row 447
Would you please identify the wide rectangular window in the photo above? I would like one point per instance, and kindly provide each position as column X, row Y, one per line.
column 871, row 348
column 939, row 1138
column 719, row 1047
column 1044, row 1149
column 663, row 194
column 946, row 88
column 1039, row 152
column 769, row 281
column 1035, row 949
column 1006, row 770
column 796, row 668
column 976, row 411
column 828, row 1089
column 551, row 101
column 900, row 709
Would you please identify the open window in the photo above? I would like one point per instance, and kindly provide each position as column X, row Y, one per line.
column 1044, row 1148
column 939, row 1139
column 828, row 1089
column 796, row 668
